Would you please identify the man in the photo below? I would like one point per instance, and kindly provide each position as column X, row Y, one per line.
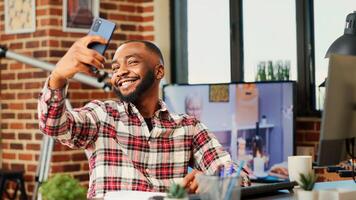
column 137, row 143
column 194, row 105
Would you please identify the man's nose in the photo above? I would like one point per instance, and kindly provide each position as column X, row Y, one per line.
column 122, row 71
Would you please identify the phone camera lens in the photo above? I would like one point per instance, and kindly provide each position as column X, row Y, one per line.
column 96, row 25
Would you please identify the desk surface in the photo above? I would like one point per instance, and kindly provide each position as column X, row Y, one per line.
column 286, row 195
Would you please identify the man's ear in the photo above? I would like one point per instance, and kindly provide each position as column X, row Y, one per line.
column 159, row 71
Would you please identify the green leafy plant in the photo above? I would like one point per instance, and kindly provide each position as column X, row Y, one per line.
column 307, row 181
column 62, row 187
column 176, row 191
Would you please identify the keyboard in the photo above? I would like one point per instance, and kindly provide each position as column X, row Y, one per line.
column 258, row 190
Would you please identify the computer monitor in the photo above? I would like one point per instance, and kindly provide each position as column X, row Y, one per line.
column 339, row 116
column 231, row 111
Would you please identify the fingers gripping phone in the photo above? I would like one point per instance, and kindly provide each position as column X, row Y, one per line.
column 105, row 29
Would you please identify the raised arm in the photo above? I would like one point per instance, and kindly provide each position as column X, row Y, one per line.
column 74, row 128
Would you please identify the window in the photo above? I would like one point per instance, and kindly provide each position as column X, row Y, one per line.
column 327, row 28
column 269, row 34
column 208, row 28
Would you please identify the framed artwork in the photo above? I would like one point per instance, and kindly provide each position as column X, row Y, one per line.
column 20, row 16
column 219, row 93
column 79, row 14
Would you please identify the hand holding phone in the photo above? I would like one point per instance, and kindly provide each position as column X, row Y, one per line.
column 105, row 29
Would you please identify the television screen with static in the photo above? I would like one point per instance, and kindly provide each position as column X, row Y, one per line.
column 253, row 121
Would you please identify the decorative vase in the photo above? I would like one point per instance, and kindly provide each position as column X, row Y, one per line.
column 307, row 195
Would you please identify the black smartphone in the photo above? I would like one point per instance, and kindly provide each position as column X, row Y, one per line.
column 105, row 29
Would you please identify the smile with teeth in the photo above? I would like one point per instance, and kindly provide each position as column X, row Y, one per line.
column 125, row 83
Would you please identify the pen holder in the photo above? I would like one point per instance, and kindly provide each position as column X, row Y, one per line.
column 219, row 188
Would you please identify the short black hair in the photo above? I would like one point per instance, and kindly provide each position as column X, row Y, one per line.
column 152, row 47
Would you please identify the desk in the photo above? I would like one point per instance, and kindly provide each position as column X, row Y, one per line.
column 284, row 194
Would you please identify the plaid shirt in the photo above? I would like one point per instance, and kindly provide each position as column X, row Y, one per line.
column 125, row 154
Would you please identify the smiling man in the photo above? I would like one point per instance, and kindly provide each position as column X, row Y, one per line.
column 137, row 143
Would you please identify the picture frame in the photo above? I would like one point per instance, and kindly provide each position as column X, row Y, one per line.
column 79, row 14
column 20, row 16
column 219, row 93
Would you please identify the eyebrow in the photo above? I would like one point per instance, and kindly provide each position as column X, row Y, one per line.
column 127, row 57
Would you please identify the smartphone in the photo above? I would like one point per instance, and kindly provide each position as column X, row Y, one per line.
column 105, row 29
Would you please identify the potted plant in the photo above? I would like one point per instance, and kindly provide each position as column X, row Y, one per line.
column 176, row 192
column 62, row 187
column 306, row 183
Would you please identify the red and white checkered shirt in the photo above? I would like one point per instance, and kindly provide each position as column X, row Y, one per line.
column 125, row 154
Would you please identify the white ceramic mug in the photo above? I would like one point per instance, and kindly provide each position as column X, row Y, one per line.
column 299, row 165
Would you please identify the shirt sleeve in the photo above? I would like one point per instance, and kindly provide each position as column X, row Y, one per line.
column 76, row 128
column 209, row 153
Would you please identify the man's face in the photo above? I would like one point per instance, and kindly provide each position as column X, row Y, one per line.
column 133, row 71
column 194, row 108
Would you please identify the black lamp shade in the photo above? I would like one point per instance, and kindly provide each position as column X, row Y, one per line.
column 346, row 44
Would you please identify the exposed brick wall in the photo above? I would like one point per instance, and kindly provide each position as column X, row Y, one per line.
column 21, row 84
column 307, row 133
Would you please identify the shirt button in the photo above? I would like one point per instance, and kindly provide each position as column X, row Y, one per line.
column 148, row 170
column 149, row 142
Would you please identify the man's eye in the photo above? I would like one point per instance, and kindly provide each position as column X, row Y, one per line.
column 131, row 62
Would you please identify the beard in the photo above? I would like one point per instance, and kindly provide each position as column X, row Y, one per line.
column 145, row 84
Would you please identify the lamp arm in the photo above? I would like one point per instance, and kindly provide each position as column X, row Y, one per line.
column 88, row 80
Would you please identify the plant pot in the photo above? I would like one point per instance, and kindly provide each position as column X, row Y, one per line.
column 167, row 198
column 307, row 195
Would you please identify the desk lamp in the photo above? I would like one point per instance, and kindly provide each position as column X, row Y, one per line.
column 346, row 45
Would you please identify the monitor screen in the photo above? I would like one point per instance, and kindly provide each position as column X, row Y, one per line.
column 253, row 121
column 339, row 116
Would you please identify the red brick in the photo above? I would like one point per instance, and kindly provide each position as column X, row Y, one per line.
column 7, row 96
column 34, row 85
column 25, row 136
column 16, row 106
column 9, row 156
column 31, row 125
column 17, row 166
column 32, row 44
column 312, row 136
column 16, row 146
column 305, row 125
column 15, row 125
column 24, row 116
column 33, row 146
column 7, row 135
column 127, row 8
column 24, row 96
column 147, row 9
column 40, row 74
column 60, row 158
column 24, row 75
column 41, row 53
column 7, row 76
column 7, row 115
column 31, row 106
column 26, row 156
column 31, row 168
column 79, row 157
column 82, row 177
column 16, row 66
column 108, row 6
column 16, row 45
column 128, row 27
column 15, row 85
column 23, row 35
column 71, row 167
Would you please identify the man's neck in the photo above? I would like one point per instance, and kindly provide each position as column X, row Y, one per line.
column 148, row 106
